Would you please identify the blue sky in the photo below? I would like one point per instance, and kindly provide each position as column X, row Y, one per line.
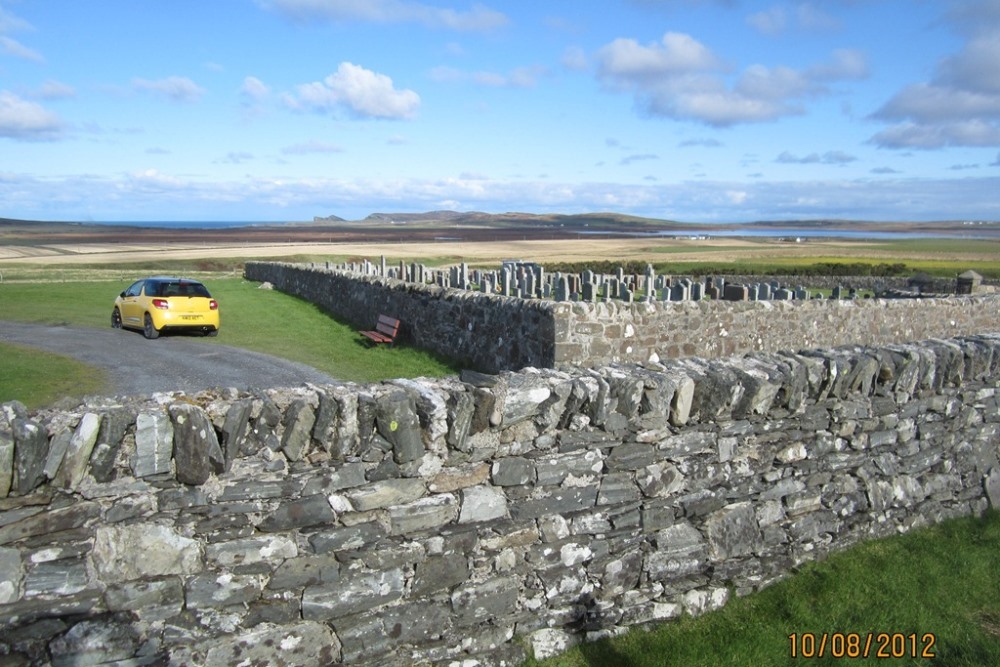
column 696, row 110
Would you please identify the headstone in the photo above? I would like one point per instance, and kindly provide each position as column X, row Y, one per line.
column 764, row 291
column 589, row 292
column 734, row 292
column 697, row 291
column 562, row 288
column 783, row 294
column 837, row 292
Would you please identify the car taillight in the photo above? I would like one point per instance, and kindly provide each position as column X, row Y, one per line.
column 162, row 304
column 213, row 304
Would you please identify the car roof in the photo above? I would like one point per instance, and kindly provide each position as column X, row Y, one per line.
column 166, row 279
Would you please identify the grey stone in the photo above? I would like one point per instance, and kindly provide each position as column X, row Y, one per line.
column 221, row 590
column 31, row 451
column 523, row 398
column 680, row 551
column 6, row 455
column 348, row 538
column 386, row 493
column 95, row 642
column 423, row 514
column 77, row 458
column 154, row 444
column 304, row 644
column 476, row 603
column 271, row 549
column 352, row 594
column 513, row 471
column 114, row 424
column 234, row 430
column 152, row 600
column 11, row 574
column 58, row 578
column 560, row 501
column 992, row 485
column 300, row 418
column 301, row 513
column 441, row 573
column 397, row 421
column 135, row 551
column 197, row 453
column 52, row 520
column 733, row 532
column 482, row 503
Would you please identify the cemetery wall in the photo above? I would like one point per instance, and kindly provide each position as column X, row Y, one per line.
column 481, row 331
column 617, row 332
column 490, row 332
column 459, row 521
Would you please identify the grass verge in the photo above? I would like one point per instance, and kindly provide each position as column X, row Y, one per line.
column 38, row 378
column 940, row 584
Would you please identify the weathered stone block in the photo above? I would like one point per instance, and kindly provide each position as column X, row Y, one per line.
column 386, row 493
column 352, row 594
column 135, row 551
column 154, row 444
column 493, row 600
column 482, row 503
column 302, row 513
column 153, row 600
column 31, row 452
column 423, row 514
column 397, row 422
column 271, row 549
column 733, row 532
column 513, row 471
column 304, row 644
column 197, row 453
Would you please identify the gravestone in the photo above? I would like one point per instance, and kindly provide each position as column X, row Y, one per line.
column 733, row 292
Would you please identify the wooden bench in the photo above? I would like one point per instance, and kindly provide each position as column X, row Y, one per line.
column 385, row 331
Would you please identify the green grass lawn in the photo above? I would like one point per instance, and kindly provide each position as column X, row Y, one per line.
column 262, row 320
column 941, row 584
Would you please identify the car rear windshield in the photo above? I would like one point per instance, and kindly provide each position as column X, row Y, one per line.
column 177, row 288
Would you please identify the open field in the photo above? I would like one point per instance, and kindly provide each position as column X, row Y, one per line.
column 942, row 258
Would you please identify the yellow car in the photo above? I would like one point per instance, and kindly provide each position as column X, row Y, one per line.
column 153, row 305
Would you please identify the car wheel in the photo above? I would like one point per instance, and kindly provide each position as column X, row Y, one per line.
column 148, row 330
column 116, row 319
column 213, row 332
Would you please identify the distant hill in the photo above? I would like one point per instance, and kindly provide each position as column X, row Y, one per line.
column 328, row 218
column 517, row 219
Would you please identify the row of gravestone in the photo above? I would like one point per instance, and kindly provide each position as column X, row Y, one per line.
column 529, row 280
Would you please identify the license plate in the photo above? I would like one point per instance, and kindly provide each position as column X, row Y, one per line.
column 190, row 317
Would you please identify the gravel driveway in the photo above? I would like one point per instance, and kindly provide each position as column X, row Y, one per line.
column 136, row 366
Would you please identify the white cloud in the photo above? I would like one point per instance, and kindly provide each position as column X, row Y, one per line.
column 625, row 62
column 134, row 195
column 364, row 92
column 829, row 157
column 26, row 121
column 174, row 88
column 254, row 89
column 478, row 18
column 806, row 16
column 681, row 78
column 960, row 105
column 12, row 47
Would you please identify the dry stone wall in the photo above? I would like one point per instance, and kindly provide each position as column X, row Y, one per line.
column 468, row 520
column 492, row 333
column 615, row 332
column 489, row 333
